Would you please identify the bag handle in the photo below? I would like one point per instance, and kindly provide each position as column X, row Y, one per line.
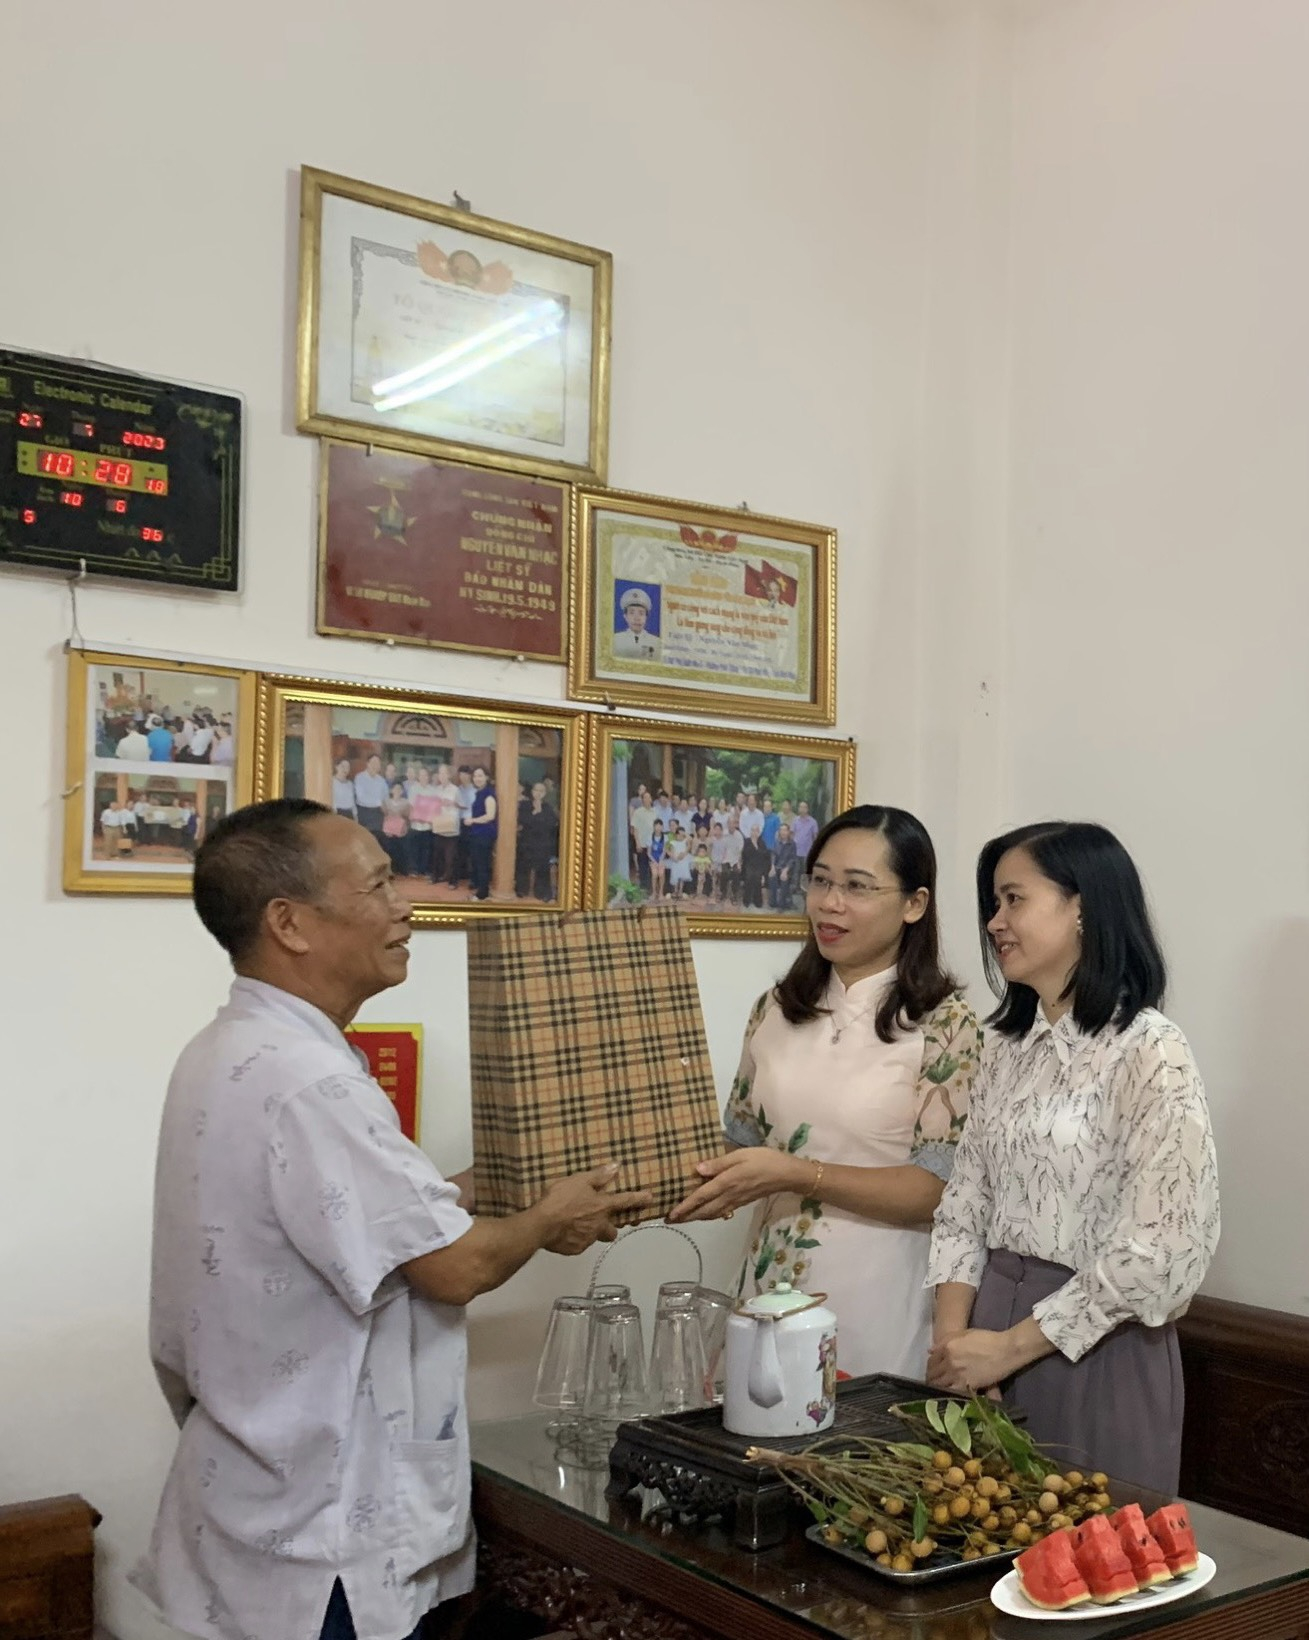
column 635, row 1229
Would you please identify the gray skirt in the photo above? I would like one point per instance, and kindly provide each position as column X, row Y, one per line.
column 1118, row 1409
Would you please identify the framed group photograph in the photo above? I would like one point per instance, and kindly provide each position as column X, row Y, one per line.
column 430, row 329
column 718, row 821
column 683, row 607
column 425, row 551
column 157, row 752
column 477, row 803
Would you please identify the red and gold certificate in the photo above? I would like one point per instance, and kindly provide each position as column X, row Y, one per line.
column 435, row 552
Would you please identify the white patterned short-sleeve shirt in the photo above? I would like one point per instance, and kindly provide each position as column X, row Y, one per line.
column 321, row 1403
column 1093, row 1151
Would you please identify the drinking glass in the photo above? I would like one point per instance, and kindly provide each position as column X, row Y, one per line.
column 677, row 1360
column 615, row 1369
column 612, row 1293
column 677, row 1292
column 713, row 1308
column 561, row 1374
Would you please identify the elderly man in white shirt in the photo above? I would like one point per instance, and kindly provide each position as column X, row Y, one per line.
column 752, row 818
column 311, row 1266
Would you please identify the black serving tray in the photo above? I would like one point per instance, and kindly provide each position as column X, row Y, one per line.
column 944, row 1563
column 700, row 1467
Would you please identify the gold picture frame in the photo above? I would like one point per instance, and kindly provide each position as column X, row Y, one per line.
column 698, row 765
column 135, row 810
column 307, row 728
column 737, row 611
column 430, row 329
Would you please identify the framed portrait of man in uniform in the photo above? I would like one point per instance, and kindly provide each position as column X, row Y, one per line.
column 701, row 608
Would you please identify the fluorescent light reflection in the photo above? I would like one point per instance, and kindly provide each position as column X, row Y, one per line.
column 434, row 376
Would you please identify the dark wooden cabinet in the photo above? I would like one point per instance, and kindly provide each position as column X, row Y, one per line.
column 1246, row 1440
column 47, row 1563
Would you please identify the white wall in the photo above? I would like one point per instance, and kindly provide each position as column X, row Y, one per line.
column 1010, row 293
column 1157, row 577
column 756, row 168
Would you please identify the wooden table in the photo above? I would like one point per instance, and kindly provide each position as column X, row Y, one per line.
column 551, row 1545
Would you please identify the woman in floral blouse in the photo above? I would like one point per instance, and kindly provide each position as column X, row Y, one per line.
column 851, row 1095
column 1083, row 1209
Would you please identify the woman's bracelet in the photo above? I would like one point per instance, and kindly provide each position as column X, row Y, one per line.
column 818, row 1178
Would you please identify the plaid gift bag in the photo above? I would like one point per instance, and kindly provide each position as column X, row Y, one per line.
column 588, row 1046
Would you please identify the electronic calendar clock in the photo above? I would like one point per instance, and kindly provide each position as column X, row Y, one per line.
column 122, row 474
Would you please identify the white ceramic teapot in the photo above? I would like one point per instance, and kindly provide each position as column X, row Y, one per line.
column 780, row 1365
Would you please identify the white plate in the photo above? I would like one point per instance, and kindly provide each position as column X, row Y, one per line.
column 1010, row 1598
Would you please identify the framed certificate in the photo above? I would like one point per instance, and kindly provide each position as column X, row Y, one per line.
column 716, row 821
column 433, row 330
column 433, row 552
column 679, row 606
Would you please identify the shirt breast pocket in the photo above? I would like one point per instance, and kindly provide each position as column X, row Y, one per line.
column 433, row 1481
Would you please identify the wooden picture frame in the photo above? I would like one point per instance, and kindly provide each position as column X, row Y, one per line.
column 308, row 728
column 739, row 768
column 680, row 606
column 156, row 751
column 430, row 329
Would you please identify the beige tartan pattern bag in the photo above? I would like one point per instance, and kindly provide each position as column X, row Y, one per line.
column 588, row 1046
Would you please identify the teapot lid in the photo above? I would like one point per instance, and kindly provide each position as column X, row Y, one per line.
column 781, row 1300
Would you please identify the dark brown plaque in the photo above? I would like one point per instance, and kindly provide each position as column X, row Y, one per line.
column 438, row 553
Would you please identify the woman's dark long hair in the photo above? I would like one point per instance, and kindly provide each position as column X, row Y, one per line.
column 920, row 983
column 1120, row 969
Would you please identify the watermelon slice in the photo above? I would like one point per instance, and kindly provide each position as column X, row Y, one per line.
column 1048, row 1574
column 1101, row 1560
column 1144, row 1555
column 1172, row 1531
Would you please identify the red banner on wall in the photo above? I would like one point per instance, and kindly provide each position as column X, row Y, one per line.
column 395, row 1057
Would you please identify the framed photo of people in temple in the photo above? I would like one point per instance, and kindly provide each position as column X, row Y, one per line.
column 426, row 328
column 157, row 751
column 678, row 606
column 717, row 821
column 478, row 804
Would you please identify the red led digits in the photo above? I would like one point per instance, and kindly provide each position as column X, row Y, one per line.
column 113, row 472
column 59, row 462
column 147, row 534
column 144, row 441
column 29, row 515
column 157, row 486
column 71, row 498
column 116, row 503
column 30, row 418
column 83, row 429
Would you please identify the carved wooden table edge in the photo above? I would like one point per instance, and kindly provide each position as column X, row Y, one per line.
column 547, row 1539
column 1277, row 1614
